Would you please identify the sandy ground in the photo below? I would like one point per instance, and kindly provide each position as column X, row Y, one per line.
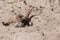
column 46, row 23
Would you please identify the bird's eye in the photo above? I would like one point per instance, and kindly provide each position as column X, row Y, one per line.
column 20, row 16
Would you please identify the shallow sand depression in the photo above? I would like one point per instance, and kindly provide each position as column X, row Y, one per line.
column 46, row 23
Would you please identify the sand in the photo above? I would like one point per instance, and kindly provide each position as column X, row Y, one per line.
column 46, row 23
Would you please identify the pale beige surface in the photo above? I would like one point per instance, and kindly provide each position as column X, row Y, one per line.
column 46, row 25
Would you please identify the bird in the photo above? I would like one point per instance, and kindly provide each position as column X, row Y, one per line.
column 24, row 20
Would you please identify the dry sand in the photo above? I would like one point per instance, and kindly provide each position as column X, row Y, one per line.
column 46, row 23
